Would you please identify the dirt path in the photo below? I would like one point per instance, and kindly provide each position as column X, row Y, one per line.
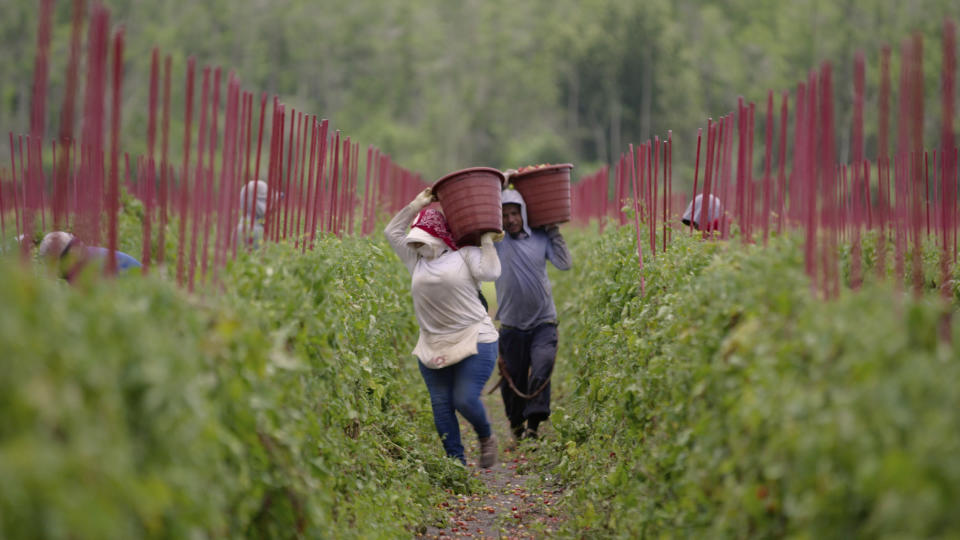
column 511, row 507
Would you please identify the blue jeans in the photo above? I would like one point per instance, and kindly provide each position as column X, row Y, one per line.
column 458, row 388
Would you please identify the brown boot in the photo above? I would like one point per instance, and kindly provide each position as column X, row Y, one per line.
column 488, row 451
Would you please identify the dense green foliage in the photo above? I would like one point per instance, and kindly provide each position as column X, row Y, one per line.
column 284, row 401
column 727, row 402
column 442, row 85
column 730, row 402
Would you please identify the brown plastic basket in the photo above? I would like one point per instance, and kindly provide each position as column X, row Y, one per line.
column 470, row 199
column 547, row 193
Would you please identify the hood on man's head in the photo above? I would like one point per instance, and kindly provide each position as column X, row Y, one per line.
column 258, row 189
column 512, row 196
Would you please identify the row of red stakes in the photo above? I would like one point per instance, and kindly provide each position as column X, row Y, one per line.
column 311, row 187
column 831, row 202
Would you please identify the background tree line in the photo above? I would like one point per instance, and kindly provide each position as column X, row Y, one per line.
column 442, row 85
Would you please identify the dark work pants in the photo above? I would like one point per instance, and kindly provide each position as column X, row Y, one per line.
column 529, row 356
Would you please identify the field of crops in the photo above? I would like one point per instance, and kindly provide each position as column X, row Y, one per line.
column 728, row 401
column 790, row 369
column 286, row 402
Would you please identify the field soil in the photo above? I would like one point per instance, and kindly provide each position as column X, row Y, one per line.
column 515, row 504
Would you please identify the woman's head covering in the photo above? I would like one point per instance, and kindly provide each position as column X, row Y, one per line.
column 430, row 228
column 512, row 196
column 434, row 223
column 253, row 188
column 714, row 210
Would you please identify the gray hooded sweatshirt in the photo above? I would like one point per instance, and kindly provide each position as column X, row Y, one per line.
column 524, row 295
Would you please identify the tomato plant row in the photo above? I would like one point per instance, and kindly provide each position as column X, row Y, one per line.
column 729, row 401
column 284, row 404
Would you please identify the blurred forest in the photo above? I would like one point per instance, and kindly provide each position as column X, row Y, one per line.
column 443, row 84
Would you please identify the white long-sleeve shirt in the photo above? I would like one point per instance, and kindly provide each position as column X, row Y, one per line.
column 452, row 320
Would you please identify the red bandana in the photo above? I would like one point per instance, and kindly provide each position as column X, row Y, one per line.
column 435, row 224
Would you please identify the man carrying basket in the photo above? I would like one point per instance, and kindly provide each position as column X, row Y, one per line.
column 527, row 315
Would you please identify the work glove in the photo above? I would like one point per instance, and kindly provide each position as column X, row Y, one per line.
column 423, row 198
column 491, row 237
column 509, row 173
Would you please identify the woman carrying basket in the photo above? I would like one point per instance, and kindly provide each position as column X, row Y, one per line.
column 457, row 346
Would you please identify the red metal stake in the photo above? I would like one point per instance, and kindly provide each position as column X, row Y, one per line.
column 654, row 184
column 184, row 172
column 364, row 230
column 286, row 184
column 796, row 198
column 926, row 187
column 808, row 180
column 275, row 184
column 344, row 188
column 61, row 177
column 781, row 163
column 148, row 211
column 113, row 196
column 271, row 176
column 666, row 185
column 206, row 206
column 636, row 216
column 310, row 209
column 696, row 172
column 17, row 202
column 768, row 156
column 164, row 165
column 199, row 198
column 245, row 143
column 321, row 170
column 228, row 172
column 353, row 187
column 706, row 221
column 92, row 185
column 831, row 277
column 303, row 162
column 331, row 208
column 948, row 188
column 152, row 104
column 3, row 212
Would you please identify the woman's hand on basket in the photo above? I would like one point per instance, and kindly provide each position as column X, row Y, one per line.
column 424, row 198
